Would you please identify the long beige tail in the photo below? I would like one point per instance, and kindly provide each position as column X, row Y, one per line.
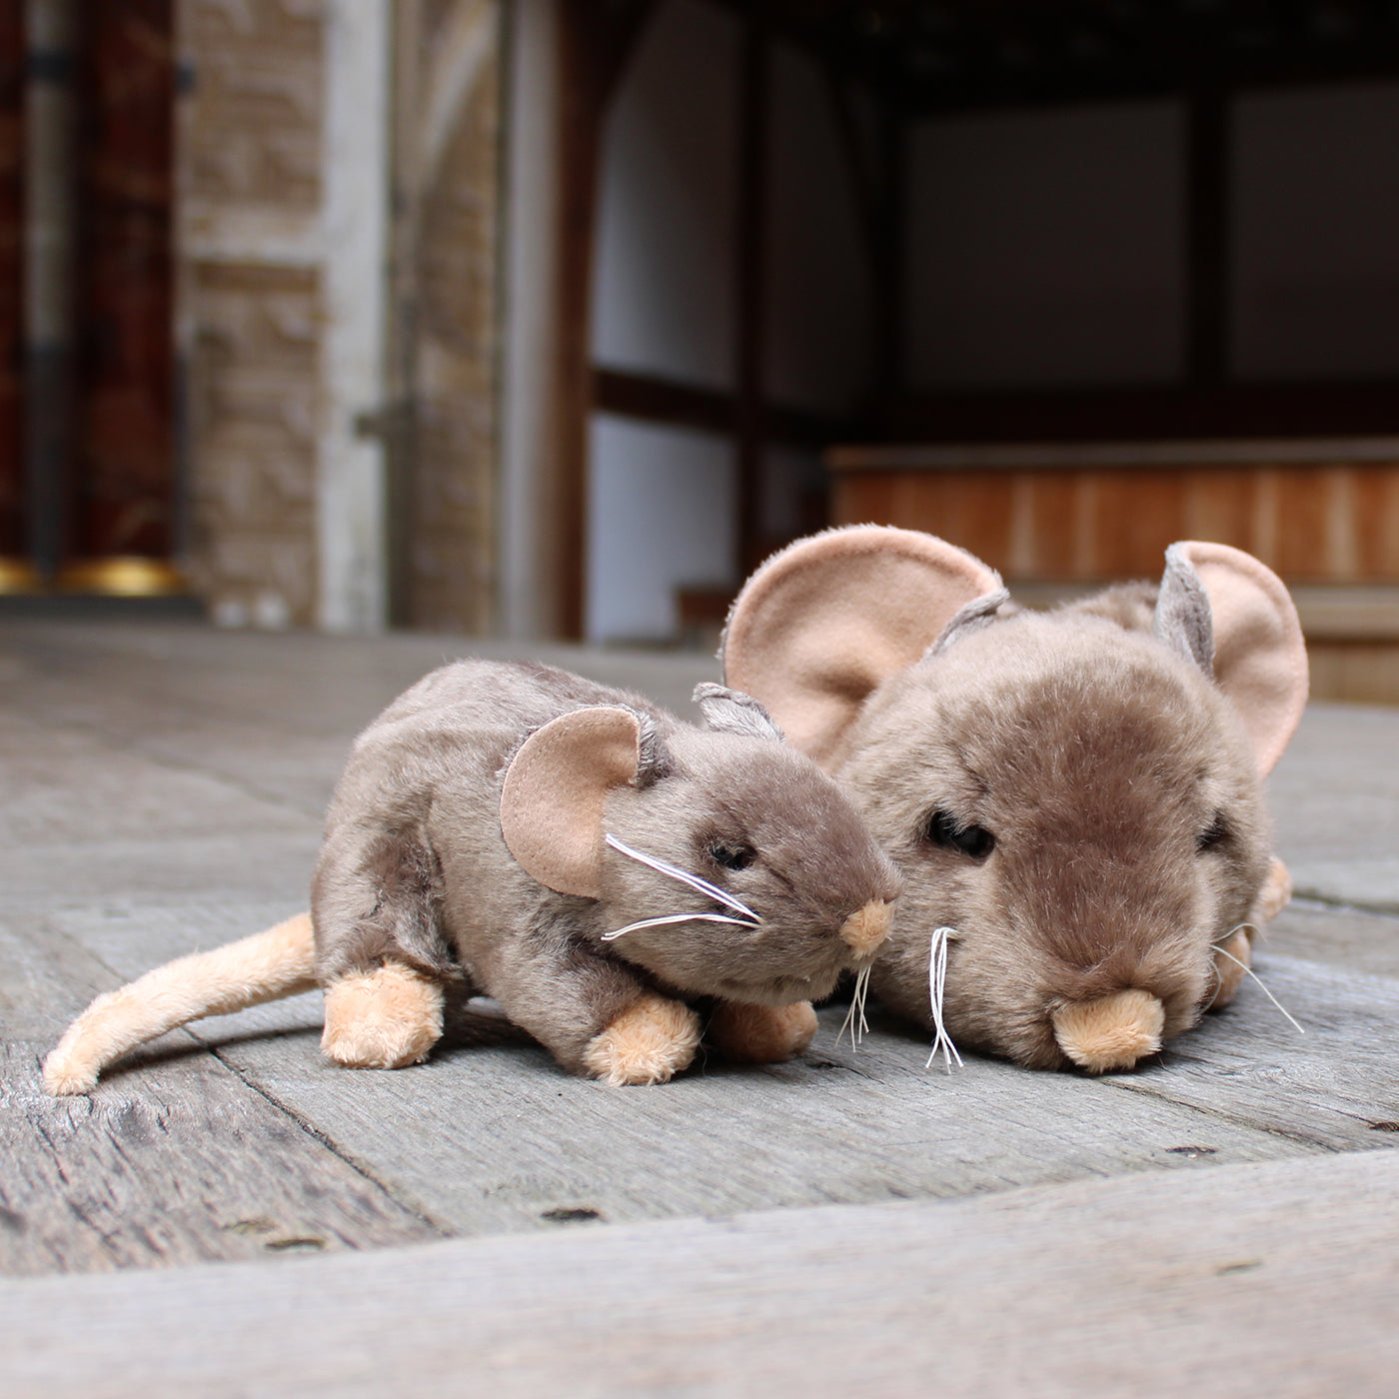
column 264, row 967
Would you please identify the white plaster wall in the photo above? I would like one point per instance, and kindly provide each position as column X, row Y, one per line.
column 1316, row 233
column 1046, row 248
column 663, row 288
column 661, row 505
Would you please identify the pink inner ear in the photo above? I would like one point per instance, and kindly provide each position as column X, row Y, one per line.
column 829, row 619
column 551, row 804
column 1260, row 656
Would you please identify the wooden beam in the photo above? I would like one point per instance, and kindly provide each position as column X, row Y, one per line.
column 13, row 541
column 1207, row 236
column 1282, row 409
column 581, row 74
column 624, row 34
column 649, row 398
column 50, row 239
column 867, row 180
column 890, row 330
column 750, row 284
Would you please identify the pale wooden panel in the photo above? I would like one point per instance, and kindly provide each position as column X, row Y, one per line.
column 1054, row 537
column 1279, row 1279
column 1377, row 521
column 1136, row 515
column 1221, row 505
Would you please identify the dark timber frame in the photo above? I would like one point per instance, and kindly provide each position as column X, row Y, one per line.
column 921, row 61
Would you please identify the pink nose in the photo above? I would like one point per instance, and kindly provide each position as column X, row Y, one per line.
column 866, row 928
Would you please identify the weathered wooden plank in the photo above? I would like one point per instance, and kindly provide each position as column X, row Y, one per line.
column 1335, row 801
column 491, row 1136
column 1339, row 937
column 1337, row 1085
column 64, row 786
column 184, row 1163
column 271, row 715
column 1278, row 1279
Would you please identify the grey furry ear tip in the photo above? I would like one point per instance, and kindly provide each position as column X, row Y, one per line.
column 1184, row 618
column 652, row 760
column 732, row 711
column 979, row 612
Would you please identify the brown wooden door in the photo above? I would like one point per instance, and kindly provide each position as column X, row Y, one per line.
column 123, row 493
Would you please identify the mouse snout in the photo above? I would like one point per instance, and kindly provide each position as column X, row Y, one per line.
column 867, row 927
column 1111, row 1032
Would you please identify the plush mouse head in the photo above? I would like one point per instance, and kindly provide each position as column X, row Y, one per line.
column 718, row 858
column 1079, row 800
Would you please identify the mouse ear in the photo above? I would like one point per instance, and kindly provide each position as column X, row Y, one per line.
column 551, row 804
column 733, row 712
column 1233, row 617
column 823, row 623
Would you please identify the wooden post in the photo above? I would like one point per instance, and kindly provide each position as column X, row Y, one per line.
column 890, row 272
column 752, row 164
column 579, row 138
column 1208, row 236
column 16, row 574
column 50, row 245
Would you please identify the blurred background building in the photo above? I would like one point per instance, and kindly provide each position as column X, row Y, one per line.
column 552, row 317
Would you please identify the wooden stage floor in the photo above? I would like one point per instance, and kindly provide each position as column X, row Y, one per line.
column 231, row 1216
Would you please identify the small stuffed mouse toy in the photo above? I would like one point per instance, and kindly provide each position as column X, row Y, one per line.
column 579, row 854
column 1074, row 798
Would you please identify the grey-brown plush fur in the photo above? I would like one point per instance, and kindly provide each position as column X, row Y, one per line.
column 1099, row 759
column 1077, row 794
column 414, row 867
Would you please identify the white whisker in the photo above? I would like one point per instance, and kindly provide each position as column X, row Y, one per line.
column 1248, row 971
column 937, row 987
column 677, row 918
column 855, row 1020
column 699, row 885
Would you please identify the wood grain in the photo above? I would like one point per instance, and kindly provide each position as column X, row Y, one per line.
column 182, row 1163
column 166, row 786
column 1275, row 1279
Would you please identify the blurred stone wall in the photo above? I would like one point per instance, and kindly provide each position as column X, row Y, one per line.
column 446, row 172
column 249, row 190
column 251, row 180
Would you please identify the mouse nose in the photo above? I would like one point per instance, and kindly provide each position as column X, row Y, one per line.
column 867, row 927
column 1112, row 1032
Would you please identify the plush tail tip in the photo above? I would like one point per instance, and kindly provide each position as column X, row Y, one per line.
column 279, row 962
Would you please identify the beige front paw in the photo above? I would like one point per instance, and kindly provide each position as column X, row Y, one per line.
column 1275, row 894
column 649, row 1042
column 762, row 1034
column 384, row 1019
column 1230, row 973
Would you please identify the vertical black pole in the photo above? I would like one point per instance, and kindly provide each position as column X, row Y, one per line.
column 749, row 428
column 1208, row 237
column 50, row 230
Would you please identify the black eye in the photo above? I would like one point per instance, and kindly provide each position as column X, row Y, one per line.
column 1214, row 835
column 974, row 841
column 732, row 857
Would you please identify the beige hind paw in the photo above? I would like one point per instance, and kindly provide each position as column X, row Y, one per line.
column 762, row 1034
column 384, row 1019
column 649, row 1042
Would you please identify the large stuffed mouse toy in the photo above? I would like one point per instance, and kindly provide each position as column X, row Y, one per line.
column 1074, row 798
